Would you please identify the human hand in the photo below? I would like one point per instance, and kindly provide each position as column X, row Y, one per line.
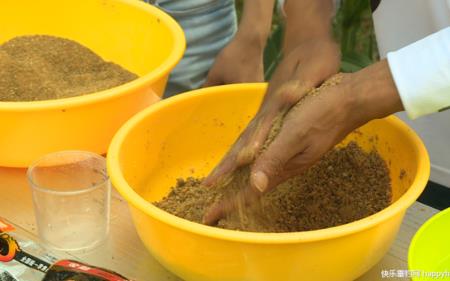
column 242, row 59
column 239, row 62
column 305, row 67
column 313, row 127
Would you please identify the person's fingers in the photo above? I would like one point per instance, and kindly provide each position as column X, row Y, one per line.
column 260, row 180
column 301, row 161
column 314, row 74
column 247, row 153
column 231, row 161
column 310, row 69
column 257, row 135
column 289, row 94
column 231, row 202
column 282, row 75
column 270, row 165
column 253, row 138
column 217, row 211
column 272, row 112
column 221, row 171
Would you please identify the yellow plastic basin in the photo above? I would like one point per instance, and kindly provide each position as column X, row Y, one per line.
column 188, row 134
column 133, row 34
column 429, row 252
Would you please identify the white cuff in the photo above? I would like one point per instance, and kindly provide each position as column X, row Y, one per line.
column 421, row 72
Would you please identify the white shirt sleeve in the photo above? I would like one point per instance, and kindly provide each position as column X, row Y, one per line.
column 421, row 72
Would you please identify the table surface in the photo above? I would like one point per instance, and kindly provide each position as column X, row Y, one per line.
column 124, row 252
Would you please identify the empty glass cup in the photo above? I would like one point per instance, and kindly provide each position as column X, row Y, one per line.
column 71, row 196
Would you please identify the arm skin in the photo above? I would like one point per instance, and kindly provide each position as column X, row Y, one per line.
column 313, row 128
column 310, row 57
column 242, row 59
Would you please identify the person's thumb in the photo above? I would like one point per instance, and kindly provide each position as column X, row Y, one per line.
column 268, row 168
column 260, row 180
column 266, row 172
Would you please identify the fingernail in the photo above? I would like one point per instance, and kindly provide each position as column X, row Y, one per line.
column 260, row 181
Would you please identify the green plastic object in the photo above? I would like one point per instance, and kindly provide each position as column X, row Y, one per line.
column 429, row 252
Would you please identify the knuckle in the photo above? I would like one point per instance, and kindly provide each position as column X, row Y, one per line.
column 299, row 135
column 245, row 156
column 274, row 166
column 311, row 155
column 291, row 92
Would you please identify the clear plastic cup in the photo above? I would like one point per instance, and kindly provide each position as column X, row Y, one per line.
column 71, row 196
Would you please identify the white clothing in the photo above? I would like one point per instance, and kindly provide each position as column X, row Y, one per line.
column 421, row 69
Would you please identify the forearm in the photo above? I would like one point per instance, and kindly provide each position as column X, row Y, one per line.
column 416, row 79
column 307, row 20
column 256, row 21
column 374, row 93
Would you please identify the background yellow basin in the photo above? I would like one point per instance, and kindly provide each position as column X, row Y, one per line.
column 188, row 134
column 133, row 34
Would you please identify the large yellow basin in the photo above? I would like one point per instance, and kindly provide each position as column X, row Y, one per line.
column 133, row 34
column 188, row 134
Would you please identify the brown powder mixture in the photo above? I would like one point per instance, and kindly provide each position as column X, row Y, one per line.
column 347, row 184
column 42, row 67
